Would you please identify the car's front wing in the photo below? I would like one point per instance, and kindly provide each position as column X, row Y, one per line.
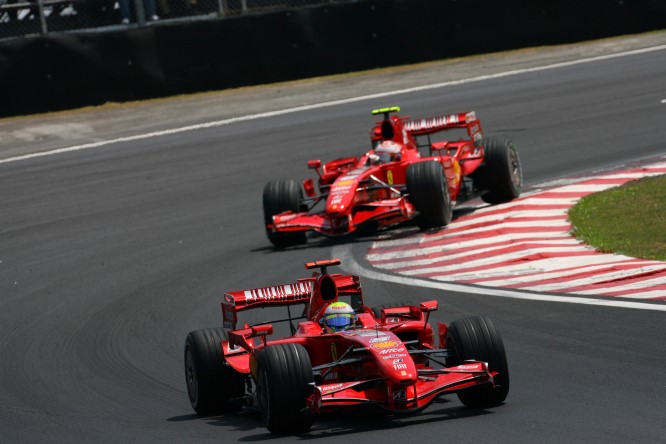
column 383, row 212
column 398, row 397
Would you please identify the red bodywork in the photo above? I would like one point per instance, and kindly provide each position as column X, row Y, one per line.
column 357, row 191
column 384, row 361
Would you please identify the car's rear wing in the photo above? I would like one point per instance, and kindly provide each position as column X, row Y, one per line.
column 277, row 295
column 429, row 125
column 314, row 291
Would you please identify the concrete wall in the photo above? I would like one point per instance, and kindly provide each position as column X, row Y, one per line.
column 72, row 70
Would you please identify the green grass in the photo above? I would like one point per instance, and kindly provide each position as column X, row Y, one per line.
column 629, row 220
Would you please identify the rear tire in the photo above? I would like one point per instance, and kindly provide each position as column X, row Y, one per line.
column 429, row 193
column 501, row 175
column 211, row 384
column 280, row 196
column 284, row 383
column 477, row 338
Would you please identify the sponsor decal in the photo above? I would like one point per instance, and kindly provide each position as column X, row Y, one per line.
column 334, row 351
column 341, row 183
column 297, row 291
column 397, row 361
column 456, row 170
column 400, row 366
column 397, row 355
column 332, row 375
column 472, row 367
column 380, row 339
column 389, row 177
column 431, row 123
column 399, row 395
column 333, row 387
column 403, row 373
column 386, row 351
column 384, row 344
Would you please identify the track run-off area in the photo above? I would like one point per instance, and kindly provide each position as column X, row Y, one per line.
column 526, row 244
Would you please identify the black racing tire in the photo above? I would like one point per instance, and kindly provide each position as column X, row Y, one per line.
column 429, row 193
column 500, row 177
column 279, row 196
column 477, row 338
column 211, row 383
column 284, row 381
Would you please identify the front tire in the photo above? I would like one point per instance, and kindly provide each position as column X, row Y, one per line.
column 280, row 196
column 501, row 175
column 283, row 385
column 477, row 338
column 211, row 384
column 429, row 193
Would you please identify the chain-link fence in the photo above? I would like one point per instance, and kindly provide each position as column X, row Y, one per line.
column 21, row 18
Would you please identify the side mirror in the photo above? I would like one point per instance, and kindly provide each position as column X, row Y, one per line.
column 262, row 330
column 308, row 186
column 429, row 306
column 314, row 164
column 438, row 146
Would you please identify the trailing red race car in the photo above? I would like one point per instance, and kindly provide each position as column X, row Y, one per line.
column 395, row 182
column 339, row 355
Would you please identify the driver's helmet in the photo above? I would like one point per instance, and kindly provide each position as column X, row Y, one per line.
column 388, row 151
column 338, row 316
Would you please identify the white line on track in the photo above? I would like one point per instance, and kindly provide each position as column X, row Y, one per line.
column 329, row 104
column 344, row 252
column 350, row 265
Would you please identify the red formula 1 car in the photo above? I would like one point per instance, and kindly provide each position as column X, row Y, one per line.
column 394, row 182
column 339, row 355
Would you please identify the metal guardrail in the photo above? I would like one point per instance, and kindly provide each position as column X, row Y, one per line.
column 21, row 18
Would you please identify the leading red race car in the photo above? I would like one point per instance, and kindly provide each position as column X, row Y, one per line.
column 395, row 182
column 339, row 355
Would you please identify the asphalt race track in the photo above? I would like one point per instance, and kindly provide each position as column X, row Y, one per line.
column 110, row 255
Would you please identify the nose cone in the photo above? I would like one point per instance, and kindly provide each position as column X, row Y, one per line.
column 393, row 359
column 342, row 193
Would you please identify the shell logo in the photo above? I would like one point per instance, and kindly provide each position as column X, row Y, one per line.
column 384, row 344
column 456, row 171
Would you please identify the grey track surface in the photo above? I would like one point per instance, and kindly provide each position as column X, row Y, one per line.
column 109, row 256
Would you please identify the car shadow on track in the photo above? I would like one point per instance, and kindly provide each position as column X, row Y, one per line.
column 339, row 424
column 344, row 424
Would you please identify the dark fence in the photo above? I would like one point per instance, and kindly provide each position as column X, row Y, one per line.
column 75, row 69
column 22, row 18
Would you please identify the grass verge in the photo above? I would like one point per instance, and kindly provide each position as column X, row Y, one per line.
column 629, row 220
